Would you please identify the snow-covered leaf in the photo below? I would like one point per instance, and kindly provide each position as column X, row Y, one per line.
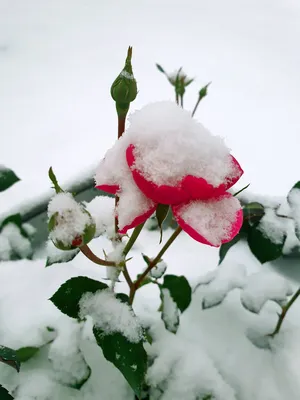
column 25, row 353
column 293, row 199
column 60, row 256
column 264, row 286
column 225, row 247
column 227, row 278
column 180, row 290
column 253, row 212
column 169, row 311
column 7, row 178
column 263, row 247
column 9, row 357
column 68, row 296
column 161, row 214
column 4, row 394
column 130, row 358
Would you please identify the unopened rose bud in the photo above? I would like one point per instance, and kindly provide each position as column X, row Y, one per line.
column 63, row 224
column 124, row 88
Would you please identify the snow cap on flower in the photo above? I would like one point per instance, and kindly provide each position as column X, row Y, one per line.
column 167, row 157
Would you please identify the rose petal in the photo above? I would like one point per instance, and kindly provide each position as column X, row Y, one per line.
column 200, row 189
column 133, row 206
column 113, row 189
column 163, row 194
column 211, row 222
column 138, row 220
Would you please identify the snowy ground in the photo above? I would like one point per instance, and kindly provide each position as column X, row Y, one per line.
column 58, row 60
column 211, row 346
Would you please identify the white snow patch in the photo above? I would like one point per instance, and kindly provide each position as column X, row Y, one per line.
column 72, row 219
column 113, row 170
column 226, row 278
column 18, row 243
column 158, row 271
column 5, row 248
column 264, row 286
column 169, row 145
column 111, row 315
column 170, row 312
column 273, row 227
column 126, row 75
column 212, row 219
column 101, row 209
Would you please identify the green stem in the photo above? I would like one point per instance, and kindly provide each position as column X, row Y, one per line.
column 176, row 97
column 181, row 100
column 133, row 238
column 284, row 311
column 196, row 106
column 153, row 263
column 91, row 256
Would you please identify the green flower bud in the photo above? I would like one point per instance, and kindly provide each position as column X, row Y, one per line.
column 124, row 88
column 61, row 222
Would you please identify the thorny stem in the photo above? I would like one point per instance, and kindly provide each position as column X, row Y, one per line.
column 152, row 264
column 91, row 256
column 284, row 311
column 127, row 276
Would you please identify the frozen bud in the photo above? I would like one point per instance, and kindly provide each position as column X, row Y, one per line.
column 124, row 88
column 158, row 271
column 70, row 224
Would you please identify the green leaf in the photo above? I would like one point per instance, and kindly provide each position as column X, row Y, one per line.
column 4, row 394
column 203, row 91
column 296, row 186
column 145, row 281
column 253, row 213
column 160, row 68
column 241, row 190
column 262, row 247
column 180, row 290
column 146, row 259
column 161, row 214
column 78, row 385
column 68, row 296
column 9, row 357
column 61, row 256
column 225, row 247
column 130, row 358
column 25, row 353
column 14, row 219
column 123, row 298
column 7, row 178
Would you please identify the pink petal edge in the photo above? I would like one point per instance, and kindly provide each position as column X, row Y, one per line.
column 235, row 227
column 138, row 220
column 112, row 189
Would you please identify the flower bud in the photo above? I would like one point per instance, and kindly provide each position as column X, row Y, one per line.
column 124, row 88
column 71, row 226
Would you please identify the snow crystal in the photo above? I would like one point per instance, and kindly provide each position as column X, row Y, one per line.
column 126, row 75
column 212, row 219
column 101, row 209
column 158, row 270
column 264, row 286
column 169, row 145
column 19, row 244
column 71, row 218
column 170, row 313
column 273, row 226
column 111, row 315
column 227, row 278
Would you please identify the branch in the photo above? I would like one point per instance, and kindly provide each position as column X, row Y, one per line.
column 91, row 256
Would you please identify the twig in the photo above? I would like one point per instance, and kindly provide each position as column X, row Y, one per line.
column 284, row 311
column 91, row 256
column 152, row 264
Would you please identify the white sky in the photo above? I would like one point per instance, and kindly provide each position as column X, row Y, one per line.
column 58, row 59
